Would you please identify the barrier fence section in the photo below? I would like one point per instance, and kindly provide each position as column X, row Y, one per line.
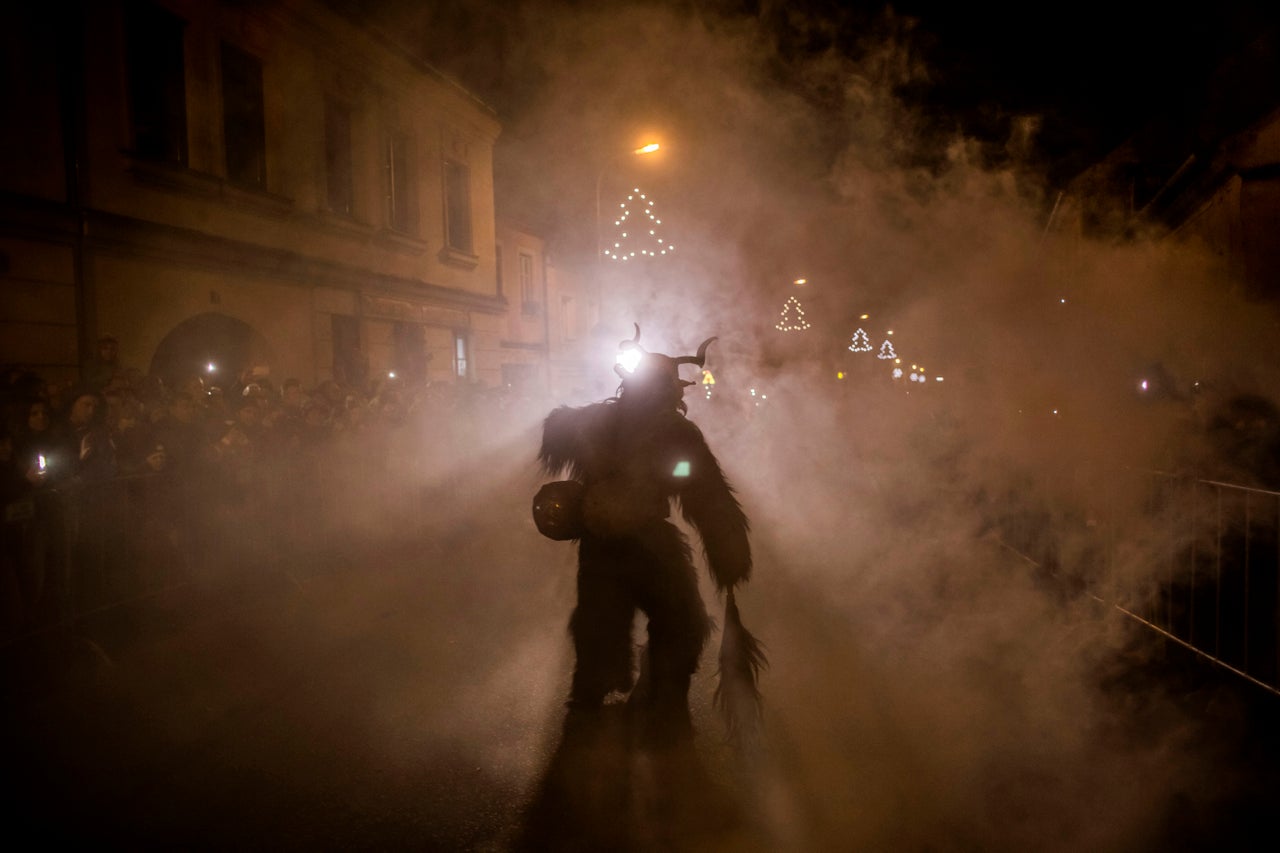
column 70, row 550
column 1218, row 593
column 1192, row 560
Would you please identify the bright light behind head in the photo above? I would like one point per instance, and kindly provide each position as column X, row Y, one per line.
column 629, row 359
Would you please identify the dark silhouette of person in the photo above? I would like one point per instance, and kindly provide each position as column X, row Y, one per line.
column 628, row 457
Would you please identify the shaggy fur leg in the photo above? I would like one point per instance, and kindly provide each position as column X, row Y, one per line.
column 600, row 627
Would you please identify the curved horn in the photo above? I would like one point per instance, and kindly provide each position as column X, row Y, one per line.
column 634, row 342
column 699, row 359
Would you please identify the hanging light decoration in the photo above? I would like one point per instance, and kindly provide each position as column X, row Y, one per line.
column 633, row 241
column 792, row 319
column 861, row 343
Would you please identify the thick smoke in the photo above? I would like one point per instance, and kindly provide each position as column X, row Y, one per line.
column 931, row 687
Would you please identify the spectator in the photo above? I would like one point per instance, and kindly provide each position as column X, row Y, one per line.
column 182, row 432
column 81, row 446
column 102, row 368
column 131, row 435
column 32, row 437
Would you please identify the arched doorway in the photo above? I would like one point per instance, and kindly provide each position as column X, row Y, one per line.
column 213, row 346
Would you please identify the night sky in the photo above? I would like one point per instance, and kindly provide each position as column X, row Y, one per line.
column 1092, row 71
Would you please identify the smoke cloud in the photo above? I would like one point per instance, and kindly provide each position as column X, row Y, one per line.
column 930, row 687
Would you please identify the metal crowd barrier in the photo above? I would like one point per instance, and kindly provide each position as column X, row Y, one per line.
column 1193, row 560
column 73, row 549
column 1217, row 594
column 76, row 549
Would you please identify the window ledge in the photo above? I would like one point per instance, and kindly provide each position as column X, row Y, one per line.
column 256, row 198
column 459, row 258
column 175, row 177
column 399, row 241
column 341, row 223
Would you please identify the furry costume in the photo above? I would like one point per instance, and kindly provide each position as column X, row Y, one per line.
column 632, row 454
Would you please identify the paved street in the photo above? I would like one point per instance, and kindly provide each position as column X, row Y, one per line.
column 409, row 696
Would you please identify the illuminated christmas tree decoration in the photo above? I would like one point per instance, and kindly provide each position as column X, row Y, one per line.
column 861, row 343
column 631, row 242
column 886, row 350
column 789, row 323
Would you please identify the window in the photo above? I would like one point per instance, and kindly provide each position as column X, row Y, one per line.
column 457, row 206
column 460, row 365
column 337, row 157
column 349, row 367
column 408, row 353
column 399, row 183
column 518, row 377
column 498, row 267
column 155, row 68
column 243, row 117
column 528, row 293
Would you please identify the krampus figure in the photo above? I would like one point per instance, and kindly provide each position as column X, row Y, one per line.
column 628, row 457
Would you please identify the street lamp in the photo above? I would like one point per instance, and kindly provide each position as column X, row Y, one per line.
column 648, row 148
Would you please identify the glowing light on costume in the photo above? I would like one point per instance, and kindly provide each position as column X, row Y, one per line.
column 681, row 469
column 861, row 343
column 629, row 359
column 788, row 322
column 211, row 368
column 633, row 242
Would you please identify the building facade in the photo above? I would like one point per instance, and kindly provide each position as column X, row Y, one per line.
column 223, row 185
column 1208, row 171
column 552, row 310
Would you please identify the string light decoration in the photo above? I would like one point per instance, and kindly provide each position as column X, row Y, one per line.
column 861, row 343
column 789, row 323
column 708, row 382
column 886, row 350
column 637, row 234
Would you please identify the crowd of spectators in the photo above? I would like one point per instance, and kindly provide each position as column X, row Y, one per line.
column 122, row 473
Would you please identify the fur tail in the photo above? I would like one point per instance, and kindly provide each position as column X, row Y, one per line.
column 737, row 695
